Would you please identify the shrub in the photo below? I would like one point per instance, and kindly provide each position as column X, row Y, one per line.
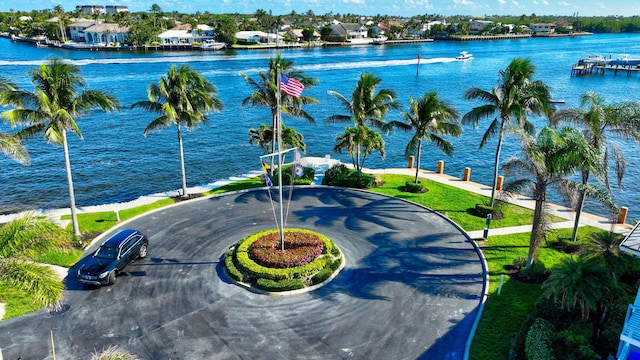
column 335, row 174
column 538, row 341
column 341, row 175
column 568, row 345
column 229, row 264
column 287, row 173
column 114, row 353
column 482, row 210
column 326, row 273
column 519, row 262
column 300, row 248
column 280, row 285
column 412, row 187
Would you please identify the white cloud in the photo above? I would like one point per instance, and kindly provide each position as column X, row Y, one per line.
column 502, row 2
column 564, row 3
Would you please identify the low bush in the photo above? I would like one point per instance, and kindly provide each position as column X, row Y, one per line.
column 301, row 249
column 306, row 178
column 341, row 175
column 412, row 187
column 538, row 342
column 232, row 270
column 326, row 273
column 280, row 285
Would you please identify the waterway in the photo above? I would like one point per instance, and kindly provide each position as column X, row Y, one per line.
column 115, row 162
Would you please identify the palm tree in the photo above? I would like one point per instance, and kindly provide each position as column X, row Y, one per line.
column 606, row 245
column 59, row 98
column 20, row 241
column 182, row 97
column 365, row 107
column 359, row 142
column 265, row 92
column 546, row 162
column 430, row 118
column 10, row 145
column 599, row 121
column 517, row 96
column 263, row 137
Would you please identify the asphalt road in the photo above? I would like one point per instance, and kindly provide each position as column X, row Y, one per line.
column 411, row 288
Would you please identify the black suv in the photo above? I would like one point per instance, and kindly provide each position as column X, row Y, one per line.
column 112, row 257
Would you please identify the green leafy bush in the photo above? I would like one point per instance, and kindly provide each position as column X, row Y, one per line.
column 519, row 262
column 229, row 264
column 538, row 341
column 568, row 345
column 308, row 174
column 412, row 187
column 341, row 175
column 280, row 285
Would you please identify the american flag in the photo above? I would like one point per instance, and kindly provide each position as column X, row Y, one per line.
column 291, row 86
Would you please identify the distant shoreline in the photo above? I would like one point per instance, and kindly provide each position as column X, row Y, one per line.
column 44, row 42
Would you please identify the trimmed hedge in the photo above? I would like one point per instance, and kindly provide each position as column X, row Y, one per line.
column 341, row 175
column 240, row 265
column 539, row 340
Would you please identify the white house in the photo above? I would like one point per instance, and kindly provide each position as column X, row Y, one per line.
column 476, row 26
column 296, row 34
column 259, row 37
column 350, row 31
column 105, row 34
column 114, row 9
column 185, row 34
column 541, row 28
column 90, row 9
column 77, row 28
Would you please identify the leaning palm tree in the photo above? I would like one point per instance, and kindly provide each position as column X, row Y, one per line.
column 365, row 107
column 265, row 92
column 515, row 96
column 59, row 98
column 600, row 122
column 429, row 118
column 182, row 97
column 546, row 162
column 21, row 240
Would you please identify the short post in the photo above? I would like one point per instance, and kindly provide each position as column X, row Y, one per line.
column 622, row 215
column 500, row 182
column 411, row 160
column 485, row 233
column 440, row 167
column 500, row 286
column 117, row 211
column 467, row 174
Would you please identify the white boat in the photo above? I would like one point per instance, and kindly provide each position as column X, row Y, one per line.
column 464, row 56
column 211, row 44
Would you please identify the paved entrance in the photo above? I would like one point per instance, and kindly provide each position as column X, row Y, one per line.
column 412, row 288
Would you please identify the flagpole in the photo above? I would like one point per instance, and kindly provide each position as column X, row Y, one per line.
column 278, row 133
column 418, row 67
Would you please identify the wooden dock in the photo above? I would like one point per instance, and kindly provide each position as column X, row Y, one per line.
column 600, row 65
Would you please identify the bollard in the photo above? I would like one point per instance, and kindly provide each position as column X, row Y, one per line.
column 440, row 167
column 499, row 182
column 622, row 215
column 467, row 174
column 411, row 160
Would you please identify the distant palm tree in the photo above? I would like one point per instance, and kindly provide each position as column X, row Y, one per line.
column 546, row 162
column 263, row 137
column 365, row 107
column 429, row 118
column 265, row 92
column 23, row 239
column 182, row 97
column 10, row 145
column 517, row 96
column 600, row 122
column 60, row 97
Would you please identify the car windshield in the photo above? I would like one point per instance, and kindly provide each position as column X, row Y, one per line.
column 107, row 252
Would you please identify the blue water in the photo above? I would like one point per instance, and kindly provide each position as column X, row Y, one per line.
column 115, row 162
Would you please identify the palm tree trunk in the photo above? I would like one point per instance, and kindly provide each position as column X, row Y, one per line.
column 579, row 205
column 495, row 166
column 72, row 198
column 418, row 160
column 537, row 231
column 182, row 168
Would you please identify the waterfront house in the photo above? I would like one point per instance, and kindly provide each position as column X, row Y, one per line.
column 185, row 34
column 258, row 37
column 477, row 26
column 543, row 28
column 105, row 34
column 296, row 35
column 349, row 31
column 77, row 28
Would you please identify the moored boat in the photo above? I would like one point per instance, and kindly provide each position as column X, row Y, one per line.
column 211, row 44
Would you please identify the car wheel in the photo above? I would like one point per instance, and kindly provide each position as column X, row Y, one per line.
column 143, row 251
column 112, row 278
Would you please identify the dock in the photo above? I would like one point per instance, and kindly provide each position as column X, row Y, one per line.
column 601, row 64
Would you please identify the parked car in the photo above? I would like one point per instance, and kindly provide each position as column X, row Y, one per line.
column 113, row 255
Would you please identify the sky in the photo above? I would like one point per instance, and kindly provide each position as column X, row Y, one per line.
column 361, row 7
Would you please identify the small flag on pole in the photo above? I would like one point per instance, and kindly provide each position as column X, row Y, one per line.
column 291, row 86
column 265, row 167
column 299, row 171
column 267, row 180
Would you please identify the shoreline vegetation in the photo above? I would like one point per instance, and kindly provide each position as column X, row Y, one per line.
column 44, row 42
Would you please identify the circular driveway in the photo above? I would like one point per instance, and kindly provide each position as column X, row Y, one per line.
column 412, row 288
